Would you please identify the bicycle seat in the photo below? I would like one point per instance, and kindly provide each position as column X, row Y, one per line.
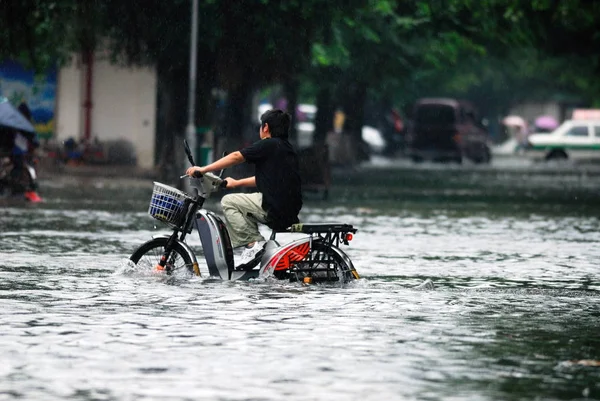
column 321, row 228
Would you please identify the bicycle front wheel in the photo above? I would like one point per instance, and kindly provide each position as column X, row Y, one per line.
column 148, row 256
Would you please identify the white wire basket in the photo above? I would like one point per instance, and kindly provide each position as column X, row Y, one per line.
column 167, row 204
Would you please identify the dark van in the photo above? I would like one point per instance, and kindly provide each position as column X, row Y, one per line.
column 446, row 130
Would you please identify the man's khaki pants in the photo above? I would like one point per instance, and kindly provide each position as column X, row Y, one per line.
column 242, row 213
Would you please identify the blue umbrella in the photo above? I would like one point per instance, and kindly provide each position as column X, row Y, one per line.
column 10, row 117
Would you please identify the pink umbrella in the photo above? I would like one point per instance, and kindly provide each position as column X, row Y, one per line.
column 546, row 122
column 517, row 127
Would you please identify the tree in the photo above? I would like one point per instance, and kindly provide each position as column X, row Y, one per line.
column 387, row 50
column 38, row 33
column 390, row 46
column 566, row 32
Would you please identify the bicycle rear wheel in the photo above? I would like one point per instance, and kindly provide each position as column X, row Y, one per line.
column 148, row 256
column 324, row 263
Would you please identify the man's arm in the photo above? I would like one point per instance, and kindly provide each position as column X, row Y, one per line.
column 230, row 160
column 244, row 182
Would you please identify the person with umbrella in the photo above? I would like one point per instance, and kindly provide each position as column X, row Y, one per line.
column 17, row 141
column 545, row 124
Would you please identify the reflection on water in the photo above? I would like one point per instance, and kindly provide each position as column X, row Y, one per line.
column 474, row 287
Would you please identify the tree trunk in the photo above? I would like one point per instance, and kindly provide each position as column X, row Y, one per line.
column 324, row 117
column 206, row 107
column 354, row 108
column 238, row 128
column 171, row 121
column 291, row 94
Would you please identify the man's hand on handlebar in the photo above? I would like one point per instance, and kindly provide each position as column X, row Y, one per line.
column 231, row 183
column 195, row 171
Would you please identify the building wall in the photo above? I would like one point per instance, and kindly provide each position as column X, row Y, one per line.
column 531, row 111
column 69, row 102
column 123, row 105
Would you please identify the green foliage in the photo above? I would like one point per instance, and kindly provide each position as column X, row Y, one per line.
column 32, row 32
column 400, row 49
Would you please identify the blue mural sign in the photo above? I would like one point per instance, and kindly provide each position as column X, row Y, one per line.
column 37, row 91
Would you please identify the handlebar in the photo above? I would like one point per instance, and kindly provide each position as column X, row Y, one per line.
column 214, row 181
column 207, row 180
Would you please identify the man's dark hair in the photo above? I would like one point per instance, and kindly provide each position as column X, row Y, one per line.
column 279, row 122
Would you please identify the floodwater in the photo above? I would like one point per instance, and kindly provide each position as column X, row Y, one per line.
column 476, row 284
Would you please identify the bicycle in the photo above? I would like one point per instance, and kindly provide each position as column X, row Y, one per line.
column 315, row 258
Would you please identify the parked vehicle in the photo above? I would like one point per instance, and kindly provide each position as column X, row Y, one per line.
column 444, row 129
column 573, row 139
column 586, row 114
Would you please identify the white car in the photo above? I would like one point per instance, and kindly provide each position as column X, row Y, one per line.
column 573, row 139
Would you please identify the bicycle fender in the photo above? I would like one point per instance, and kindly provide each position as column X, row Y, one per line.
column 216, row 244
column 346, row 259
column 273, row 255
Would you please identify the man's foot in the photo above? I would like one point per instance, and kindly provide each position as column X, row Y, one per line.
column 250, row 251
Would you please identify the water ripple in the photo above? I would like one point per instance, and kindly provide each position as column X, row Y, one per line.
column 453, row 304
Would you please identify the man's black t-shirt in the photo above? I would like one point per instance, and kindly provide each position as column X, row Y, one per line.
column 278, row 179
